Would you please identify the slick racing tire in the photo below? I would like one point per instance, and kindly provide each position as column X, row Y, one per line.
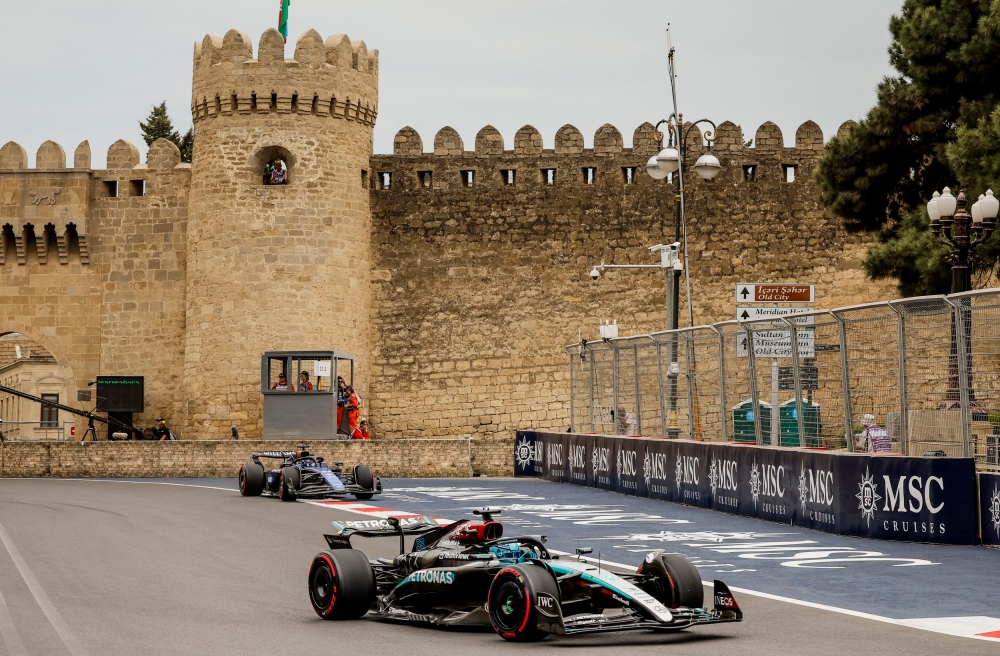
column 341, row 584
column 680, row 582
column 363, row 496
column 251, row 479
column 288, row 484
column 513, row 600
column 363, row 477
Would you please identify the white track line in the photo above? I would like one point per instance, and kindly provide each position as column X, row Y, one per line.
column 359, row 509
column 74, row 646
column 8, row 632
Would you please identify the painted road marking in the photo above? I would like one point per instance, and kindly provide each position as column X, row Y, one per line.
column 74, row 646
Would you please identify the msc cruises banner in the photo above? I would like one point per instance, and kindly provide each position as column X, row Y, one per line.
column 883, row 497
column 989, row 508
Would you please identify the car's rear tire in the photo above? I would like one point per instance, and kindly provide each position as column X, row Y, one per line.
column 513, row 598
column 341, row 584
column 251, row 479
column 289, row 483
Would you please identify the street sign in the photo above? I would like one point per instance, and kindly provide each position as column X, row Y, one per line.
column 776, row 343
column 744, row 313
column 758, row 292
column 808, row 377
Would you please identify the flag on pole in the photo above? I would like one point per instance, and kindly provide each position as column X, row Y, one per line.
column 283, row 19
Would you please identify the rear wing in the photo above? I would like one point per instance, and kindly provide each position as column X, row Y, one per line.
column 281, row 455
column 375, row 528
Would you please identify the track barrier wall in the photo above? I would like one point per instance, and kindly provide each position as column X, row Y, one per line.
column 886, row 497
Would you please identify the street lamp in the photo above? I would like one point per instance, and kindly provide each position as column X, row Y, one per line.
column 960, row 231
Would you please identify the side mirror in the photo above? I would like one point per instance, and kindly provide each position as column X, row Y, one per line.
column 580, row 551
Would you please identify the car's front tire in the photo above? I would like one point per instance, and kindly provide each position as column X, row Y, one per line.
column 289, row 483
column 679, row 579
column 513, row 598
column 341, row 584
column 251, row 479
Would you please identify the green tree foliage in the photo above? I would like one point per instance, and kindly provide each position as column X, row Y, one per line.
column 158, row 125
column 928, row 120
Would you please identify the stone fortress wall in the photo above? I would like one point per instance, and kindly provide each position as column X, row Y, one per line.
column 456, row 296
column 479, row 287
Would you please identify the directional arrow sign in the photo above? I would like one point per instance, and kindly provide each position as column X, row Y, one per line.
column 767, row 313
column 776, row 343
column 761, row 292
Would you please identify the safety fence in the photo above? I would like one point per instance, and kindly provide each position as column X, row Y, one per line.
column 915, row 376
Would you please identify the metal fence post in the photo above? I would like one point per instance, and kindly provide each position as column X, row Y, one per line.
column 659, row 385
column 638, row 394
column 797, row 382
column 614, row 386
column 846, row 382
column 964, row 375
column 572, row 412
column 723, row 408
column 593, row 426
column 754, row 392
column 904, row 432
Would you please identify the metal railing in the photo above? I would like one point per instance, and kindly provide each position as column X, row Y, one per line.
column 922, row 374
column 34, row 431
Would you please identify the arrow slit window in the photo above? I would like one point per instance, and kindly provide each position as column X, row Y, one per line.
column 790, row 170
column 749, row 173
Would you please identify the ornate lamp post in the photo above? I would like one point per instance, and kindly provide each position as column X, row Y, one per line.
column 960, row 231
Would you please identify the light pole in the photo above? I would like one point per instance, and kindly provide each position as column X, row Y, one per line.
column 961, row 231
column 667, row 161
column 671, row 265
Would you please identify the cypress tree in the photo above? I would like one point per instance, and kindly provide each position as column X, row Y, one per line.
column 158, row 125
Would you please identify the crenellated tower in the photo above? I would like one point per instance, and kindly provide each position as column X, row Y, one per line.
column 275, row 267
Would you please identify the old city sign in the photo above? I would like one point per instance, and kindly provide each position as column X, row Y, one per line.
column 750, row 292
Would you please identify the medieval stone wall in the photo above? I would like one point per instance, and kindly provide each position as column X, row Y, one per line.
column 477, row 287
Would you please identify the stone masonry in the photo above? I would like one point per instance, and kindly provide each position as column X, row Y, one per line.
column 455, row 290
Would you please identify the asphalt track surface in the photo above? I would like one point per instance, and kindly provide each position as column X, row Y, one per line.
column 106, row 567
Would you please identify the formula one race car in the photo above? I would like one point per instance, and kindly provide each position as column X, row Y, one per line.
column 468, row 574
column 304, row 475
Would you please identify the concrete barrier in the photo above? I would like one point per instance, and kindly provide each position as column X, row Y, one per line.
column 198, row 458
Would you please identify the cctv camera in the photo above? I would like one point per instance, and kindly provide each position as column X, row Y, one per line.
column 595, row 274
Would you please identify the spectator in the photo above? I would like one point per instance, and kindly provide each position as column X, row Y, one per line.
column 341, row 400
column 268, row 170
column 160, row 431
column 874, row 438
column 353, row 408
column 304, row 384
column 627, row 425
column 361, row 432
column 279, row 175
column 282, row 384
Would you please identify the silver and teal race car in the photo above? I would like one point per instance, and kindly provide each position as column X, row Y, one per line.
column 468, row 574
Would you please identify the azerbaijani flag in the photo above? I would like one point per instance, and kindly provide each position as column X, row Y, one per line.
column 283, row 19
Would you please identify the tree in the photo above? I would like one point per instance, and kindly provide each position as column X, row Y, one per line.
column 159, row 126
column 879, row 175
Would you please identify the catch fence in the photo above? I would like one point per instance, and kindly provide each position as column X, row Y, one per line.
column 917, row 376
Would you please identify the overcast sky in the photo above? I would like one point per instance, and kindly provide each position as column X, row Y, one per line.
column 89, row 69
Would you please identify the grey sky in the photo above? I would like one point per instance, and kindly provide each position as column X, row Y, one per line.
column 88, row 69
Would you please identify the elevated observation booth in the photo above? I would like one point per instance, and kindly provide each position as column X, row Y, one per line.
column 303, row 407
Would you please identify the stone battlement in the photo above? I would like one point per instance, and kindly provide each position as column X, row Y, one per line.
column 337, row 78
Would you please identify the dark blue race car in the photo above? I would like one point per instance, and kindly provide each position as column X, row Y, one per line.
column 304, row 475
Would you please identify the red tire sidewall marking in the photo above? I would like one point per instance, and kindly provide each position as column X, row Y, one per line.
column 333, row 585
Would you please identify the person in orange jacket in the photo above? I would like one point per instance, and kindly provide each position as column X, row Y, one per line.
column 353, row 409
column 361, row 432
